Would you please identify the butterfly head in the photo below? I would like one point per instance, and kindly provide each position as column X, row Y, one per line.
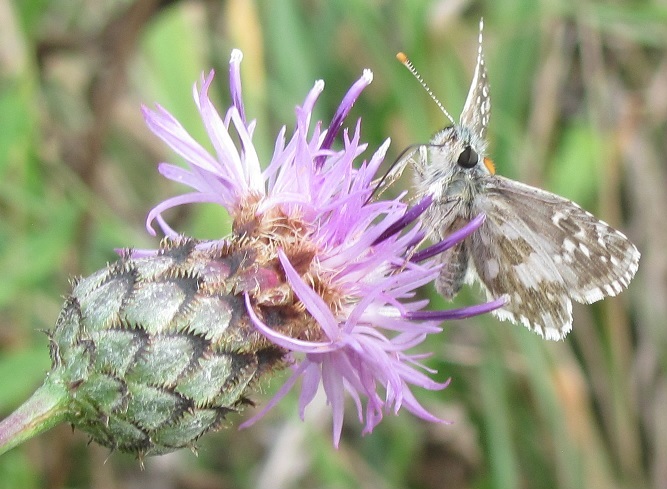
column 453, row 161
column 460, row 149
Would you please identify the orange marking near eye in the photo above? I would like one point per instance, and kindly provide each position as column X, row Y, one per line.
column 488, row 163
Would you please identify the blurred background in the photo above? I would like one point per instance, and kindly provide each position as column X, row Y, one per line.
column 579, row 97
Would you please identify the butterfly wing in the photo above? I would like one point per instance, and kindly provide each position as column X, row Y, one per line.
column 477, row 108
column 541, row 250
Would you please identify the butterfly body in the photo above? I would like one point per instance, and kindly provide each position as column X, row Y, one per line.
column 538, row 250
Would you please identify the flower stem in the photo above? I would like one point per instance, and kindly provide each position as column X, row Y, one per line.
column 46, row 408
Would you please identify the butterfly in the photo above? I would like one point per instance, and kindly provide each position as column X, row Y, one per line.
column 536, row 249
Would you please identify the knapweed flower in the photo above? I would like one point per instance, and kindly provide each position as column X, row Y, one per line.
column 156, row 349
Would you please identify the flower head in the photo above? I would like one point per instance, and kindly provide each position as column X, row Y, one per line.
column 318, row 240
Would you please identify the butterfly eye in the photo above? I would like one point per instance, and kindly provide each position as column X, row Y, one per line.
column 468, row 158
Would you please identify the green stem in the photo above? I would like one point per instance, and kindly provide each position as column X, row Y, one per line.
column 46, row 408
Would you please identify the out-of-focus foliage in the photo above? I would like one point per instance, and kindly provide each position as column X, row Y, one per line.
column 579, row 94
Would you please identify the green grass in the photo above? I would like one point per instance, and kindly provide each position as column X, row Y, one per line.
column 579, row 107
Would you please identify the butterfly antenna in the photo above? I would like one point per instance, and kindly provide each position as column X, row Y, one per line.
column 408, row 64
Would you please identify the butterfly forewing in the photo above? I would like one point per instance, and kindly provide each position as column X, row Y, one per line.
column 543, row 250
column 477, row 108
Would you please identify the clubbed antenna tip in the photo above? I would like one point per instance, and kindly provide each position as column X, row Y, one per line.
column 405, row 61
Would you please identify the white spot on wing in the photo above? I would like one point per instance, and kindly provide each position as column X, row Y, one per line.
column 492, row 268
column 557, row 217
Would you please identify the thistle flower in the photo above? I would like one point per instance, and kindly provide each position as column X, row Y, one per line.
column 156, row 349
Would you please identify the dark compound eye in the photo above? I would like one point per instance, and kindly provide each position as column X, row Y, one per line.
column 468, row 158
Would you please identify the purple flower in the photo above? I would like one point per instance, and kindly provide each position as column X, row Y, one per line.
column 345, row 258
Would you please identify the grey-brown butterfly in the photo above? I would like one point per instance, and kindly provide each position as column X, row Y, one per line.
column 536, row 249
